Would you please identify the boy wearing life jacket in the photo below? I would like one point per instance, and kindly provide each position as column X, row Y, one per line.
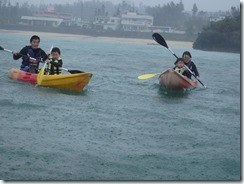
column 28, row 52
column 55, row 63
column 179, row 66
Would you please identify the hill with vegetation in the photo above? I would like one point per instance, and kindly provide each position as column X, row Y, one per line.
column 223, row 35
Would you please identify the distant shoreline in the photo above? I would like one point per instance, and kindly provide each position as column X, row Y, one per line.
column 114, row 39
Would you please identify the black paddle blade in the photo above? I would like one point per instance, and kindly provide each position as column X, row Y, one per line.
column 75, row 71
column 159, row 39
column 1, row 48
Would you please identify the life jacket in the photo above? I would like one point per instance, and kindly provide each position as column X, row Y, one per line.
column 179, row 70
column 52, row 69
column 30, row 65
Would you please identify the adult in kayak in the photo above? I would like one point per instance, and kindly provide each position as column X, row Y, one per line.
column 190, row 64
column 28, row 52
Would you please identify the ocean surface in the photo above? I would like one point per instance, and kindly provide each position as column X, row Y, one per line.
column 120, row 127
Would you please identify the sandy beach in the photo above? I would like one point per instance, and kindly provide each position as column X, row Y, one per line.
column 76, row 36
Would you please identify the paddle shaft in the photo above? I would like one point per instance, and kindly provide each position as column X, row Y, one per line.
column 7, row 50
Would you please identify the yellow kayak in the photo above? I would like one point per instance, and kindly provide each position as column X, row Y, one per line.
column 75, row 82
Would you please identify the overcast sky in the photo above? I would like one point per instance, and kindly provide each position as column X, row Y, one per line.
column 204, row 5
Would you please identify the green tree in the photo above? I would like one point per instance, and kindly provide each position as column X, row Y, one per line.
column 171, row 14
column 222, row 35
column 193, row 24
column 194, row 10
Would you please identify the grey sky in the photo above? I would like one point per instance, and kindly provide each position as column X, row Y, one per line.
column 205, row 5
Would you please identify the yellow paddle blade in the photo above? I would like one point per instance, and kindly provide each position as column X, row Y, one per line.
column 42, row 71
column 40, row 75
column 147, row 76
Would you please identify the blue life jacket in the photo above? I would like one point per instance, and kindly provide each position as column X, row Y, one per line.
column 30, row 65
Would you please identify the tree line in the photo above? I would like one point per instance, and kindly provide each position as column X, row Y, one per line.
column 170, row 14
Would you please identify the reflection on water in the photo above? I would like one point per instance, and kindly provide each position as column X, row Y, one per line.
column 173, row 93
column 49, row 90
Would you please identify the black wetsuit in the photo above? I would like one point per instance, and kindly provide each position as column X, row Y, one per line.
column 193, row 68
column 28, row 64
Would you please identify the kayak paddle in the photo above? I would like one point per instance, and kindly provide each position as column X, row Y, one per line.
column 72, row 71
column 42, row 71
column 148, row 76
column 40, row 74
column 160, row 40
column 7, row 50
column 1, row 48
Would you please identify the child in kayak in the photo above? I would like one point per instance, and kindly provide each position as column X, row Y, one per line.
column 180, row 66
column 55, row 63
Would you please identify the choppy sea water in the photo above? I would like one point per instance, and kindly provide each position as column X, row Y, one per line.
column 119, row 127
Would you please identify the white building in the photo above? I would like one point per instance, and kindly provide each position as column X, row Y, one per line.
column 83, row 23
column 216, row 19
column 161, row 29
column 136, row 22
column 41, row 21
column 112, row 24
column 48, row 18
column 107, row 23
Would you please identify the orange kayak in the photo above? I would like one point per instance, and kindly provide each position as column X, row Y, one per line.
column 174, row 80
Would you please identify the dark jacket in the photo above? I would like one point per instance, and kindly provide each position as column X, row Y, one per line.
column 191, row 65
column 28, row 64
